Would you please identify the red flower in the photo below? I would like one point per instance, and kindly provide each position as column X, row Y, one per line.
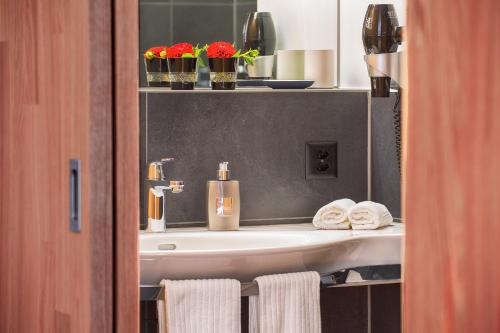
column 221, row 50
column 177, row 50
column 154, row 52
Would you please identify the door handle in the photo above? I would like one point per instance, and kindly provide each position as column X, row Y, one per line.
column 75, row 211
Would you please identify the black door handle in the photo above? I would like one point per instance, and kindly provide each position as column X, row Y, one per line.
column 75, row 212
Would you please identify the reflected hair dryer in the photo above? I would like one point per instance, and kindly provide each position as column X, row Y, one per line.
column 381, row 34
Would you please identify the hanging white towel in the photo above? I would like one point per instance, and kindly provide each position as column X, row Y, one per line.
column 160, row 305
column 287, row 303
column 194, row 306
column 369, row 215
column 334, row 215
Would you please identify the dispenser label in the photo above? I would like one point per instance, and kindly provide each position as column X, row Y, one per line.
column 224, row 205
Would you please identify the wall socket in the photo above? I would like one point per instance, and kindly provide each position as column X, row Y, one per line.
column 321, row 159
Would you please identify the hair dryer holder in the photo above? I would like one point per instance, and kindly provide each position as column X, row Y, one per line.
column 391, row 65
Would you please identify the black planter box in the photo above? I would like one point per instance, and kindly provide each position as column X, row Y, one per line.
column 223, row 73
column 182, row 73
column 157, row 72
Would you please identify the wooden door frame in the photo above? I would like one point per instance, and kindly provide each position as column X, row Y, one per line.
column 114, row 40
column 126, row 165
column 101, row 164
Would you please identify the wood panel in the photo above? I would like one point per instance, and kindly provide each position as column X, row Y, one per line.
column 126, row 165
column 452, row 167
column 101, row 164
column 53, row 280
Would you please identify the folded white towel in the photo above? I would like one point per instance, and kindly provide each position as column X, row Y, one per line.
column 369, row 215
column 194, row 306
column 287, row 303
column 333, row 215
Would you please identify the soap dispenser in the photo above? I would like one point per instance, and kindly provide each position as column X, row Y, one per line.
column 223, row 201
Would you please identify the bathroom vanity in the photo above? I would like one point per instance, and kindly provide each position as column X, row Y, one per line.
column 186, row 253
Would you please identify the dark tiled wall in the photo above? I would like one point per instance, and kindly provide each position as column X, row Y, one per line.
column 263, row 135
column 344, row 309
column 165, row 22
column 385, row 171
column 386, row 308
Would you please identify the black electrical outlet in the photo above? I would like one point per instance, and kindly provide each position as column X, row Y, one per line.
column 321, row 159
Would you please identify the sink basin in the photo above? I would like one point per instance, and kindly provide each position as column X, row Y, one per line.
column 188, row 253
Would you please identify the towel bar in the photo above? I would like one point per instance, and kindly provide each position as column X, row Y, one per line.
column 352, row 277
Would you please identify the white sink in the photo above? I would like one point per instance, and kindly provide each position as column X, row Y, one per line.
column 188, row 253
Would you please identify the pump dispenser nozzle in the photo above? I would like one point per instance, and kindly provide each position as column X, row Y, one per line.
column 223, row 172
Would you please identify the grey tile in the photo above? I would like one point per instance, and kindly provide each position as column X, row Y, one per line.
column 386, row 308
column 386, row 180
column 344, row 310
column 203, row 2
column 263, row 136
column 154, row 29
column 148, row 317
column 142, row 154
column 244, row 315
column 202, row 24
column 142, row 2
column 242, row 11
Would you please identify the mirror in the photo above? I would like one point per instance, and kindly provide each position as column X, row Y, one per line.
column 166, row 22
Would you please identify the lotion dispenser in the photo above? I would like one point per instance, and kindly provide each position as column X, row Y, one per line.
column 223, row 201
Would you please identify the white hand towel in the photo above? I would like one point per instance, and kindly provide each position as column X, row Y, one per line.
column 287, row 303
column 160, row 306
column 333, row 215
column 208, row 306
column 369, row 215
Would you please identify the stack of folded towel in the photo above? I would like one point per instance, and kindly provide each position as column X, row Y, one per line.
column 334, row 215
column 345, row 213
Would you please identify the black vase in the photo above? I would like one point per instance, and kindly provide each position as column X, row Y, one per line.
column 259, row 33
column 182, row 73
column 157, row 72
column 223, row 73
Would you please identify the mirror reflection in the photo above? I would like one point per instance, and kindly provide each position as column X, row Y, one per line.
column 167, row 22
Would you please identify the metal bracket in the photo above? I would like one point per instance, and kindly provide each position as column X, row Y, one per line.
column 352, row 277
column 392, row 65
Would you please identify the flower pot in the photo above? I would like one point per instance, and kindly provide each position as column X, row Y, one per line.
column 223, row 73
column 157, row 72
column 182, row 73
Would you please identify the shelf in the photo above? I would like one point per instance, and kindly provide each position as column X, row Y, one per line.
column 247, row 90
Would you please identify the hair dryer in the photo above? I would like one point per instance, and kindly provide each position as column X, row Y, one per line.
column 381, row 34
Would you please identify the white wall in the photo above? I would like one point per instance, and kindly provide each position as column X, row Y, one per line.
column 303, row 24
column 315, row 24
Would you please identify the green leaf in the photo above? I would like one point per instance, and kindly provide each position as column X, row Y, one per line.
column 201, row 62
column 149, row 55
column 247, row 56
column 199, row 50
column 237, row 54
column 248, row 60
column 187, row 55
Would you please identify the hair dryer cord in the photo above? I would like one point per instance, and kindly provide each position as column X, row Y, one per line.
column 397, row 127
